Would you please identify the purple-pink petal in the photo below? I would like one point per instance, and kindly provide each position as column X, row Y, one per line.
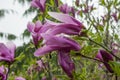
column 105, row 57
column 54, row 43
column 65, row 18
column 3, row 72
column 40, row 63
column 43, row 3
column 38, row 25
column 61, row 41
column 12, row 47
column 66, row 28
column 43, row 50
column 38, row 4
column 7, row 52
column 30, row 26
column 66, row 63
column 65, row 8
column 33, row 4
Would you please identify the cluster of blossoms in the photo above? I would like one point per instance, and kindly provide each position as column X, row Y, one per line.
column 3, row 72
column 55, row 37
column 7, row 53
column 105, row 57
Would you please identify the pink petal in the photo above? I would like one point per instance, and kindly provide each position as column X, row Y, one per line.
column 3, row 49
column 64, row 18
column 30, row 26
column 62, row 42
column 66, row 63
column 11, row 46
column 38, row 24
column 33, row 4
column 42, row 2
column 43, row 50
column 66, row 28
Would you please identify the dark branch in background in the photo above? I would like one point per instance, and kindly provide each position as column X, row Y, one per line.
column 105, row 48
column 89, row 57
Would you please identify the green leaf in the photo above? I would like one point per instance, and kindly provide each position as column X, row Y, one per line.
column 115, row 67
column 11, row 37
column 26, row 33
column 20, row 57
column 1, row 34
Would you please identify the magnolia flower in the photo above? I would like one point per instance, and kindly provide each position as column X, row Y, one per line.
column 70, row 25
column 88, row 9
column 39, row 4
column 67, row 9
column 54, row 43
column 66, row 63
column 37, row 28
column 7, row 52
column 63, row 46
column 3, row 72
column 20, row 78
column 41, row 65
column 105, row 57
column 114, row 15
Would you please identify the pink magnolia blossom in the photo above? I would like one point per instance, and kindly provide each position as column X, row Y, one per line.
column 114, row 15
column 105, row 57
column 66, row 63
column 7, row 52
column 41, row 65
column 3, row 72
column 69, row 25
column 88, row 9
column 67, row 9
column 39, row 4
column 37, row 28
column 54, row 43
column 63, row 46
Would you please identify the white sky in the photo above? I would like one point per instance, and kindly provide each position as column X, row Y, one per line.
column 14, row 23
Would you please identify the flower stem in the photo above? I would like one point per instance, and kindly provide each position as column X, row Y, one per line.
column 116, row 78
column 90, row 58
